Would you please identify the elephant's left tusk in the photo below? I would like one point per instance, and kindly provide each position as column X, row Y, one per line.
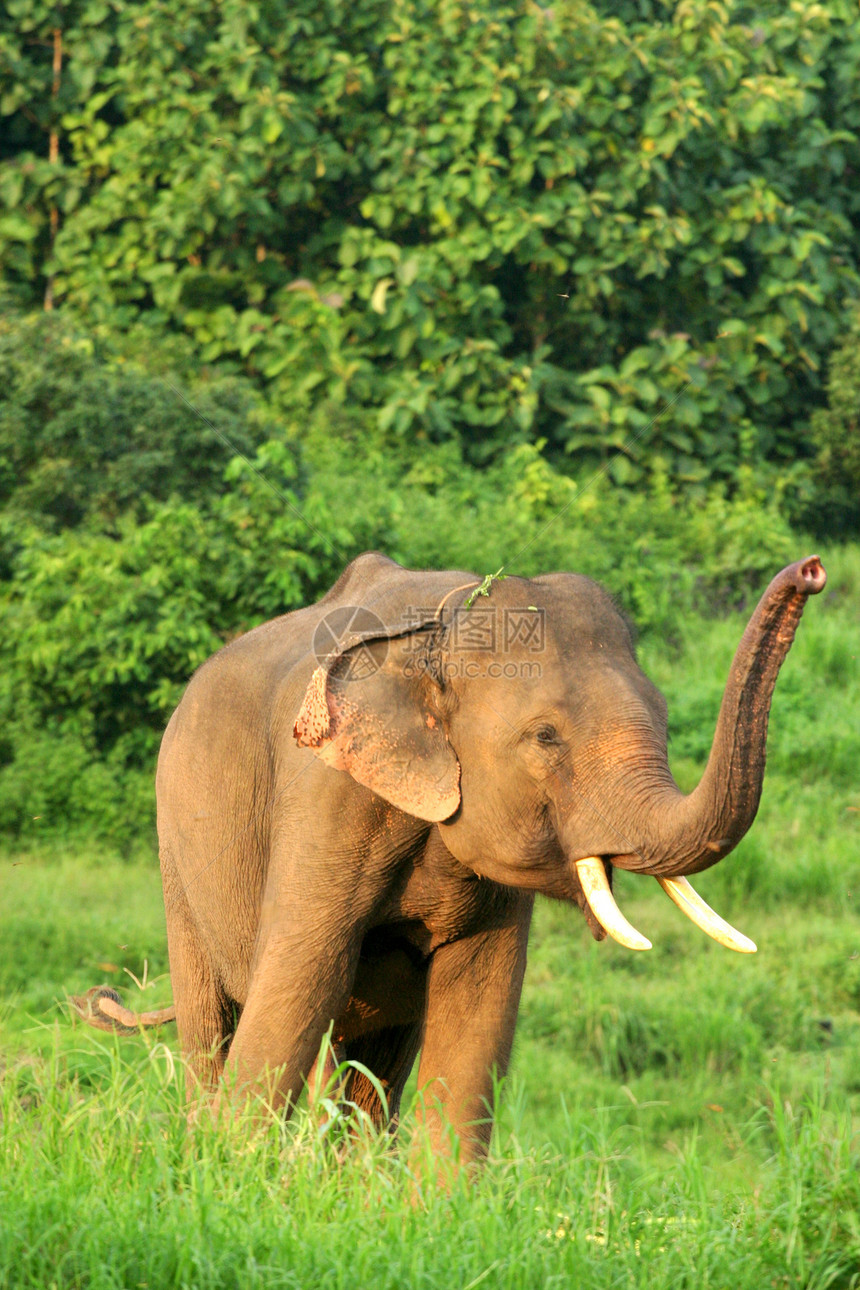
column 595, row 884
column 690, row 902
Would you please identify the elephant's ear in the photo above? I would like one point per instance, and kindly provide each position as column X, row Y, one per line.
column 369, row 711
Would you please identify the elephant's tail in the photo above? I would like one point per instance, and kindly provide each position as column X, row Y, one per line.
column 102, row 1007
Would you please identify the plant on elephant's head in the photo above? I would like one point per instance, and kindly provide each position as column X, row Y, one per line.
column 358, row 801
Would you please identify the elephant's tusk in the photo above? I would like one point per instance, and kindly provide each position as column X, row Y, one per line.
column 690, row 902
column 595, row 884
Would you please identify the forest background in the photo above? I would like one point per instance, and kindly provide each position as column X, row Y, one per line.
column 476, row 284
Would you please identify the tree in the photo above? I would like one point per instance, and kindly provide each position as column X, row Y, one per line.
column 628, row 231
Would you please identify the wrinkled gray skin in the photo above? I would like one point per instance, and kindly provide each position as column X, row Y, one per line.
column 360, row 842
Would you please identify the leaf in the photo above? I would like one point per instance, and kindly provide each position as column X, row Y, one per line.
column 15, row 228
column 380, row 291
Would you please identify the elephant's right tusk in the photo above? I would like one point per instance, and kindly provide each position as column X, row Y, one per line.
column 690, row 903
column 595, row 884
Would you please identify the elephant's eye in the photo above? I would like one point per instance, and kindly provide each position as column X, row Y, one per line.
column 547, row 735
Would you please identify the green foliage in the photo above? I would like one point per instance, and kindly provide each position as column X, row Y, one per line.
column 663, row 554
column 104, row 631
column 124, row 563
column 628, row 231
column 84, row 436
column 835, row 433
column 480, row 264
column 130, row 552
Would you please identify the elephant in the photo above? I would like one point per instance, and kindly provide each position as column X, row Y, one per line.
column 359, row 800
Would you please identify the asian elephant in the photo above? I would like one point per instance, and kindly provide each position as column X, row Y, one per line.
column 358, row 801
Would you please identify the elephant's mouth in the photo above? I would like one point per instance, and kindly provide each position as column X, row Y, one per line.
column 592, row 875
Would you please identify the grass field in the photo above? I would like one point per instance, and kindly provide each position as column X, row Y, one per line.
column 687, row 1117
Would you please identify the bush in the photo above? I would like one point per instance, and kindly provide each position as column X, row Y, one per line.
column 125, row 561
column 84, row 436
column 133, row 545
column 663, row 554
column 105, row 628
column 626, row 230
column 104, row 631
column 835, row 433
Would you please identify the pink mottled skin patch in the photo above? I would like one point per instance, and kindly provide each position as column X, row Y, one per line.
column 313, row 724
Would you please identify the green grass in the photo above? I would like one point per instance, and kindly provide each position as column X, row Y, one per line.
column 683, row 1118
column 104, row 1185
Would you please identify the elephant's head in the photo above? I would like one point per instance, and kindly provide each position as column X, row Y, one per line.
column 521, row 723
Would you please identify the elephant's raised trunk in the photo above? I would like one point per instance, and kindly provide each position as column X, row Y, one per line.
column 678, row 835
column 687, row 834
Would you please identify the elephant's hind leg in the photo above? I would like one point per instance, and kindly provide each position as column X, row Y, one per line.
column 205, row 1017
column 390, row 1054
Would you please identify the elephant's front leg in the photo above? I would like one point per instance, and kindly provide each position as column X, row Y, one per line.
column 472, row 1000
column 300, row 983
